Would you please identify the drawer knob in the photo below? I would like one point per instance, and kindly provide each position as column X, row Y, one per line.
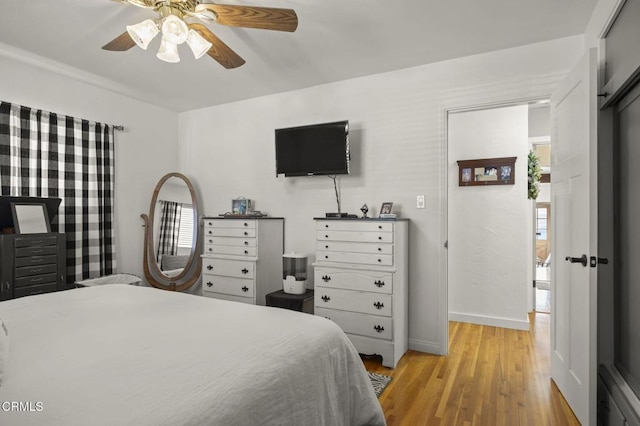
column 244, row 271
column 246, row 233
column 379, row 260
column 209, row 284
column 210, row 223
column 326, row 247
column 379, row 226
column 379, row 248
column 378, row 305
column 326, row 257
column 210, row 232
column 325, row 298
column 245, row 289
column 246, row 224
column 379, row 328
column 210, row 248
column 326, row 236
column 380, row 238
column 246, row 252
column 210, row 241
column 379, row 283
column 326, row 278
column 326, row 226
column 246, row 243
column 209, row 267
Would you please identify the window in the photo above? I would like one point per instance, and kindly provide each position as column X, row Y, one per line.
column 542, row 223
column 185, row 234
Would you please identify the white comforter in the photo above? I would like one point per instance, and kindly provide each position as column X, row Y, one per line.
column 126, row 355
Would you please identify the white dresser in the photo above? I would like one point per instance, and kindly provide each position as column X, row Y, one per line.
column 361, row 282
column 242, row 259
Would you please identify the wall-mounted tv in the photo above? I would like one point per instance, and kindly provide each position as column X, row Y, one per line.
column 317, row 149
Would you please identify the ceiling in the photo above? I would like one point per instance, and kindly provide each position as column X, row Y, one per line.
column 335, row 40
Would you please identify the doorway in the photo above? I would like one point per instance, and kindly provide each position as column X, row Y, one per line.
column 491, row 243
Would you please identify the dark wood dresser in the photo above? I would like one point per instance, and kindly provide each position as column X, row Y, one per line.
column 32, row 264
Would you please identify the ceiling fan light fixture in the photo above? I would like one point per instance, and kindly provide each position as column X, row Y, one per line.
column 142, row 33
column 174, row 30
column 168, row 51
column 198, row 44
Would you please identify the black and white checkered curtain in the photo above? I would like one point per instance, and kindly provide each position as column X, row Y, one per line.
column 43, row 154
column 169, row 228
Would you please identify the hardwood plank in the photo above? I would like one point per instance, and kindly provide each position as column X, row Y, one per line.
column 492, row 376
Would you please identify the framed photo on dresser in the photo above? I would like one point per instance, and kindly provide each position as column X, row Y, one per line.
column 30, row 218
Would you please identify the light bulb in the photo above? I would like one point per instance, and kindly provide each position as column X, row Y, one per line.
column 198, row 44
column 168, row 51
column 143, row 32
column 174, row 30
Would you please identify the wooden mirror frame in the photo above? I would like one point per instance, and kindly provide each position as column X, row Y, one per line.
column 191, row 272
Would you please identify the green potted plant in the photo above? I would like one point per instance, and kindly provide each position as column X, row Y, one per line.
column 534, row 175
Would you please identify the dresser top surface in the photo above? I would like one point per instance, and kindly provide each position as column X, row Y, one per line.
column 364, row 219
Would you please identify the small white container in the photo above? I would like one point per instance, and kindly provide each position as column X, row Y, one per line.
column 294, row 273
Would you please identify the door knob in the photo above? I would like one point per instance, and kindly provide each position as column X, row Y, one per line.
column 582, row 259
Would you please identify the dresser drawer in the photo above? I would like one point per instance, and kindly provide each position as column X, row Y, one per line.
column 35, row 289
column 230, row 223
column 228, row 285
column 35, row 261
column 228, row 268
column 36, row 280
column 234, row 250
column 363, row 258
column 230, row 297
column 35, row 242
column 231, row 241
column 36, row 251
column 36, row 270
column 364, row 325
column 380, row 282
column 230, row 232
column 362, row 237
column 354, row 301
column 381, row 248
column 352, row 225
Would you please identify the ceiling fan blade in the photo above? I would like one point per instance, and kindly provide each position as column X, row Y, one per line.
column 219, row 51
column 264, row 18
column 121, row 43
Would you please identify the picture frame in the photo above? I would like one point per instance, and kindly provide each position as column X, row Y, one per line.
column 30, row 218
column 386, row 207
column 241, row 206
column 487, row 171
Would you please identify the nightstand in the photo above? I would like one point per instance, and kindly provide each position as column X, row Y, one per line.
column 294, row 302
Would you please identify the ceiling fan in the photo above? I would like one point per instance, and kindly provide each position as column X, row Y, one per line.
column 181, row 21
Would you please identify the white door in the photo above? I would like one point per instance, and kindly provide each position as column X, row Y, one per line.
column 573, row 194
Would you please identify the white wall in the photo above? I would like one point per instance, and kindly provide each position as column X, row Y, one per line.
column 145, row 150
column 489, row 226
column 398, row 151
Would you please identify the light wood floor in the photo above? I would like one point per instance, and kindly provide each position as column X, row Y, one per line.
column 492, row 376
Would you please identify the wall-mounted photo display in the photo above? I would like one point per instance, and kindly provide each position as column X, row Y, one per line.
column 487, row 171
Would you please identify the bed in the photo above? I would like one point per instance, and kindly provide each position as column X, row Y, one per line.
column 127, row 355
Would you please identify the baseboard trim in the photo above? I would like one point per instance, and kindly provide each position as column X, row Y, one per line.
column 491, row 321
column 427, row 347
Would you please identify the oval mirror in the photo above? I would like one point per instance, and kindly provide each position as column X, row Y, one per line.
column 172, row 243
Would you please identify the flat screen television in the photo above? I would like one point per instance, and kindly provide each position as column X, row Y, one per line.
column 317, row 149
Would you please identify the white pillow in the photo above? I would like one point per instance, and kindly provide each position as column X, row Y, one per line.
column 4, row 348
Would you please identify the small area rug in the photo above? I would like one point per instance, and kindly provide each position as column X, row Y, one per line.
column 379, row 382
